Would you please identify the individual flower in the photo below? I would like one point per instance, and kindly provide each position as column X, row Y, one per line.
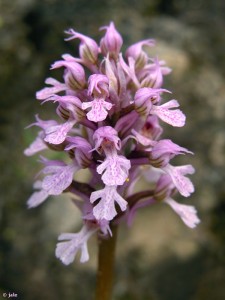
column 58, row 177
column 114, row 169
column 57, row 134
column 187, row 213
column 165, row 189
column 163, row 151
column 105, row 209
column 182, row 183
column 99, row 108
column 70, row 243
column 144, row 104
column 39, row 144
column 98, row 86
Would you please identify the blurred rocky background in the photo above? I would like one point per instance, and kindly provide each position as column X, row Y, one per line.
column 158, row 257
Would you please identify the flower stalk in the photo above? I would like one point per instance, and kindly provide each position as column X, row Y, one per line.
column 105, row 270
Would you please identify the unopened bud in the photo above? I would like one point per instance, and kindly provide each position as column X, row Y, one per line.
column 112, row 42
column 88, row 47
column 74, row 74
column 140, row 56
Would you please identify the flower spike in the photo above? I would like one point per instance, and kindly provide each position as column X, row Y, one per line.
column 111, row 108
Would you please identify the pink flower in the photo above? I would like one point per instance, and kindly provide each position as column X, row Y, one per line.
column 173, row 117
column 69, row 107
column 98, row 110
column 105, row 209
column 39, row 144
column 164, row 190
column 114, row 168
column 57, row 134
column 98, row 86
column 182, row 183
column 187, row 213
column 60, row 179
column 70, row 243
column 145, row 98
column 163, row 151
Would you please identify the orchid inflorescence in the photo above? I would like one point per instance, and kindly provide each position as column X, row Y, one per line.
column 110, row 109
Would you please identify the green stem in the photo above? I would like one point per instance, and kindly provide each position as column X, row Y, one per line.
column 105, row 271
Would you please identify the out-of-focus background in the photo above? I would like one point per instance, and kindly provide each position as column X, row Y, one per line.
column 158, row 257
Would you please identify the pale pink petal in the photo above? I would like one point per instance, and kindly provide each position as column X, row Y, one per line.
column 115, row 170
column 182, row 183
column 66, row 251
column 55, row 184
column 98, row 110
column 173, row 117
column 49, row 91
column 129, row 69
column 105, row 209
column 37, row 146
column 143, row 140
column 37, row 198
column 187, row 213
column 57, row 134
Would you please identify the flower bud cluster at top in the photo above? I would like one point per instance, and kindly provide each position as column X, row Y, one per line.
column 110, row 108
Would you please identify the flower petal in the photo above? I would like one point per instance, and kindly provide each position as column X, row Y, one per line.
column 105, row 209
column 55, row 184
column 173, row 117
column 187, row 213
column 57, row 134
